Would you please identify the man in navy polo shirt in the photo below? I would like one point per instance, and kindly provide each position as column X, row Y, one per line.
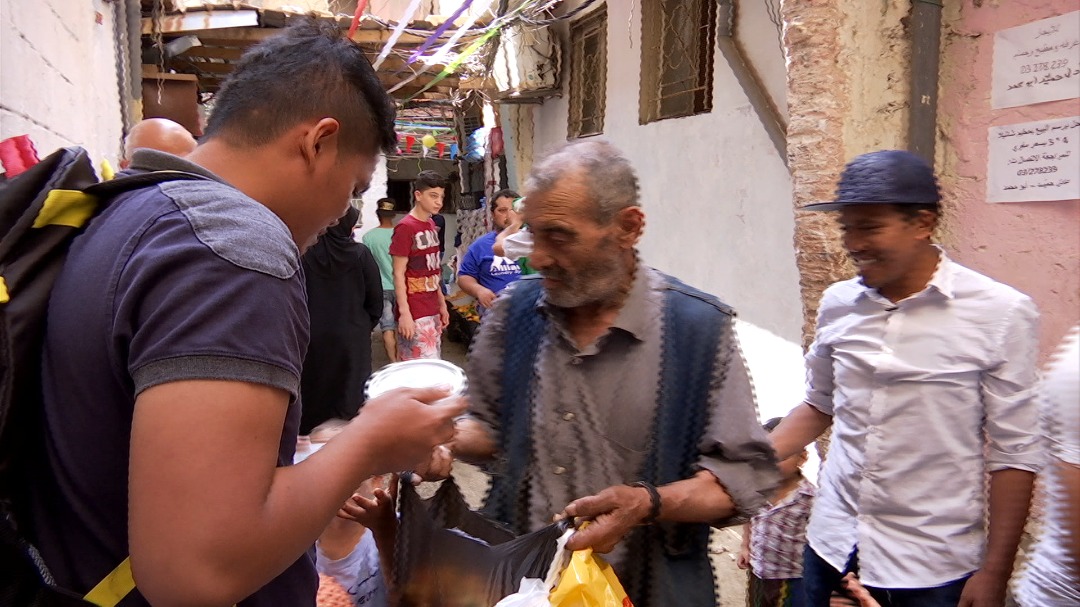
column 483, row 274
column 176, row 335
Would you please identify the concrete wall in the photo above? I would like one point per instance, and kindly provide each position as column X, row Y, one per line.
column 716, row 193
column 58, row 79
column 1033, row 246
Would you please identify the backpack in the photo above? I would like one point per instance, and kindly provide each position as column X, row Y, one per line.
column 41, row 212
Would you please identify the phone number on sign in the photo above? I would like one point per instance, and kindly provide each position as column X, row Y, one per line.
column 1043, row 66
column 1037, row 170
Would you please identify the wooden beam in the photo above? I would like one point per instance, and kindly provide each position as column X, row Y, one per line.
column 234, row 36
column 477, row 84
column 390, row 80
column 208, row 67
column 150, row 71
column 394, row 63
column 364, row 36
column 201, row 20
column 213, row 52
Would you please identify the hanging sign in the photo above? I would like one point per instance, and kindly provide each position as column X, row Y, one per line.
column 1034, row 161
column 1037, row 62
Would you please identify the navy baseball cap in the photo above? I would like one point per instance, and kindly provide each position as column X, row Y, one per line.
column 883, row 177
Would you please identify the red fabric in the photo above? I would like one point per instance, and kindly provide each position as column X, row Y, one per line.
column 419, row 241
column 17, row 154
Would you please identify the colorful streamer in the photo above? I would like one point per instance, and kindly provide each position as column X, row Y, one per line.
column 496, row 26
column 360, row 6
column 440, row 54
column 439, row 31
column 398, row 30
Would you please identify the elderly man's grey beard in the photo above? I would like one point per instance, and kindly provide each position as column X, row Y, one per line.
column 602, row 281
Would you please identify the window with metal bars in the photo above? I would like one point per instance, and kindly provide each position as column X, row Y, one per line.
column 678, row 38
column 588, row 75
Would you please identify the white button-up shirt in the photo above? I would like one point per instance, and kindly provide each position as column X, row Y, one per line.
column 927, row 396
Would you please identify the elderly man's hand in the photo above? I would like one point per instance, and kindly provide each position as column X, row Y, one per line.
column 613, row 512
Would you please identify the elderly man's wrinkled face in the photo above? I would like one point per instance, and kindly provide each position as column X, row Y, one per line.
column 581, row 260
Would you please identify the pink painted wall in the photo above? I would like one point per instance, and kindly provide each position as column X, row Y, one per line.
column 1033, row 246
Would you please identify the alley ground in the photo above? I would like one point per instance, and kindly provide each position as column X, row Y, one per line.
column 723, row 546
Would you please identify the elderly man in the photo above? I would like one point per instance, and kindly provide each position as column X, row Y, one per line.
column 159, row 134
column 609, row 391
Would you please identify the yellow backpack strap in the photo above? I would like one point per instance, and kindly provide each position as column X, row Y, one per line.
column 70, row 208
column 111, row 590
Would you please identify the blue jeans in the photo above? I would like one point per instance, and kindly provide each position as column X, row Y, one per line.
column 820, row 579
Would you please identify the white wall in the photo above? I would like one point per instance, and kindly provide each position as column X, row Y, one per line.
column 716, row 193
column 377, row 190
column 58, row 75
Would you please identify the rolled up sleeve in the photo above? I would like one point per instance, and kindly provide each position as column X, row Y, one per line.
column 1008, row 389
column 735, row 448
column 819, row 361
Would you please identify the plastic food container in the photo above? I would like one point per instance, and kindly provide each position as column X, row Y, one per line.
column 422, row 373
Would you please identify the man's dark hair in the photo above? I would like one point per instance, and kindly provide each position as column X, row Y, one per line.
column 309, row 70
column 427, row 180
column 506, row 193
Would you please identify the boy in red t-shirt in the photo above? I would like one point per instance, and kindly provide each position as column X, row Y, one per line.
column 414, row 248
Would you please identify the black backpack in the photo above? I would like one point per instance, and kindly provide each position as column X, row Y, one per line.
column 41, row 212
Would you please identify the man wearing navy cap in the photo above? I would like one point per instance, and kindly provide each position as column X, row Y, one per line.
column 924, row 370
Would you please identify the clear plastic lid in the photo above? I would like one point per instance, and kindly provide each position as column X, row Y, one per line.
column 422, row 373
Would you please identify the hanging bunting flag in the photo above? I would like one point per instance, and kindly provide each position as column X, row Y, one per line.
column 439, row 31
column 440, row 55
column 441, row 147
column 360, row 6
column 398, row 30
column 409, row 141
column 472, row 48
column 453, row 151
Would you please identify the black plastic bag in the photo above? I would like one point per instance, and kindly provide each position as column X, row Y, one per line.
column 449, row 556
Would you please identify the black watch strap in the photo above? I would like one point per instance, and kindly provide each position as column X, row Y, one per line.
column 654, row 497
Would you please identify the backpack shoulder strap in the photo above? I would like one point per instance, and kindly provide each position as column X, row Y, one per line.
column 128, row 183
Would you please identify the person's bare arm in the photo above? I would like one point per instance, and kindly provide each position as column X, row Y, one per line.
column 444, row 312
column 1010, row 499
column 401, row 293
column 472, row 442
column 484, row 296
column 743, row 561
column 618, row 509
column 211, row 516
column 804, row 424
column 516, row 221
column 340, row 538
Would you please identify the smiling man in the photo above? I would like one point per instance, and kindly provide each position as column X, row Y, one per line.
column 610, row 391
column 924, row 370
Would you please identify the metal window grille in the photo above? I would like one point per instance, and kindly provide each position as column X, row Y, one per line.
column 678, row 38
column 588, row 76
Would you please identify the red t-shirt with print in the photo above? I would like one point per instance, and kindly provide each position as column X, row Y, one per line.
column 419, row 241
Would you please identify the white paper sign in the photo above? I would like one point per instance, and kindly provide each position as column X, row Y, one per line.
column 1034, row 161
column 1037, row 62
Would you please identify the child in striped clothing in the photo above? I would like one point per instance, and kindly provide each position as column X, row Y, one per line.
column 774, row 539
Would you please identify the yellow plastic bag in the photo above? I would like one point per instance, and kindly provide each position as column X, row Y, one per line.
column 588, row 581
